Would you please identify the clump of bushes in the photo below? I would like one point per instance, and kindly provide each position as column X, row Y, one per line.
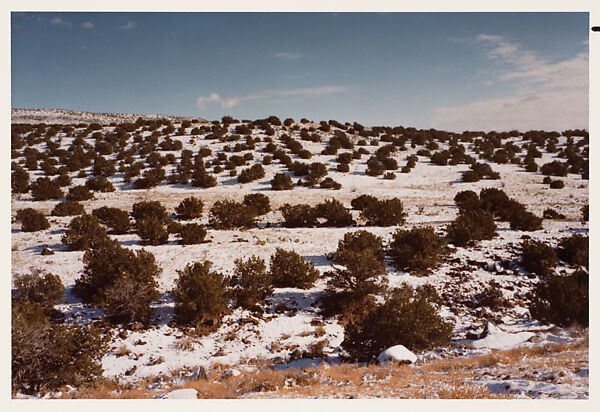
column 298, row 215
column 151, row 231
column 191, row 234
column 479, row 171
column 201, row 295
column 19, row 180
column 329, row 183
column 44, row 189
column 84, row 232
column 120, row 281
column 562, row 300
column 408, row 317
column 68, row 208
column 40, row 288
column 334, row 213
column 363, row 201
column 189, row 208
column 388, row 212
column 79, row 193
column 99, row 184
column 557, row 184
column 289, row 270
column 116, row 219
column 254, row 172
column 148, row 209
column 32, row 220
column 555, row 168
column 416, row 249
column 251, row 282
column 538, row 257
column 259, row 202
column 575, row 250
column 470, row 226
column 281, row 181
column 227, row 214
column 552, row 214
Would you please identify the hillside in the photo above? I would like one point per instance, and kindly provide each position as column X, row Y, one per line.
column 61, row 116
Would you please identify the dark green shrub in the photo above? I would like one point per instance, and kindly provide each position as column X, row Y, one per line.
column 389, row 176
column 99, row 184
column 299, row 215
column 472, row 225
column 416, row 250
column 251, row 282
column 46, row 290
column 44, row 189
column 555, row 168
column 537, row 257
column 575, row 250
column 189, row 208
column 553, row 214
column 109, row 267
column 557, row 184
column 68, row 208
column 19, row 180
column 147, row 209
column 259, row 202
column 467, row 200
column 562, row 300
column 470, row 176
column 363, row 201
column 343, row 167
column 151, row 231
column 494, row 201
column 201, row 178
column 201, row 295
column 49, row 356
column 334, row 213
column 408, row 317
column 358, row 242
column 31, row 220
column 526, row 221
column 116, row 219
column 84, row 232
column 191, row 234
column 585, row 211
column 78, row 193
column 281, row 181
column 255, row 172
column 387, row 212
column 227, row 214
column 547, row 180
column 329, row 183
column 289, row 270
column 316, row 171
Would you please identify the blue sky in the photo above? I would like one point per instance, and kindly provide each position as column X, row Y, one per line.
column 452, row 71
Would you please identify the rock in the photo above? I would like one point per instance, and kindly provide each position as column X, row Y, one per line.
column 131, row 371
column 179, row 394
column 229, row 373
column 199, row 373
column 46, row 251
column 396, row 354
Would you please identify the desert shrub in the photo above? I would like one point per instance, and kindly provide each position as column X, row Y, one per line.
column 470, row 176
column 151, row 231
column 472, row 225
column 538, row 257
column 227, row 214
column 526, row 221
column 31, row 220
column 281, row 181
column 289, row 270
column 116, row 219
column 78, row 193
column 547, row 180
column 343, row 167
column 201, row 295
column 585, row 211
column 553, row 214
column 251, row 282
column 329, row 183
column 19, row 180
column 575, row 250
column 41, row 288
column 150, row 178
column 389, row 176
column 416, row 249
column 363, row 201
column 316, row 171
column 43, row 189
column 334, row 213
column 388, row 212
column 555, row 168
column 201, row 178
column 99, row 184
column 189, row 208
column 49, row 356
column 191, row 234
column 358, row 242
column 254, row 172
column 407, row 317
column 557, row 184
column 494, row 201
column 109, row 267
column 259, row 202
column 147, row 209
column 374, row 167
column 562, row 300
column 68, row 208
column 467, row 200
column 298, row 215
column 83, row 233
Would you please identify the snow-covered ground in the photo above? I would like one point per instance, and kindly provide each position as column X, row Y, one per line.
column 245, row 337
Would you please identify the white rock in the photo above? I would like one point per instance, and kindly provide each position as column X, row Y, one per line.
column 396, row 354
column 230, row 372
column 496, row 338
column 180, row 394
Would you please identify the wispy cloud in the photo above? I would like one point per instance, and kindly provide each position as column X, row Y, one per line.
column 538, row 93
column 129, row 26
column 229, row 102
column 288, row 56
column 59, row 21
column 87, row 25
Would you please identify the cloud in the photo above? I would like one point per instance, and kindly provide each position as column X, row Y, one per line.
column 288, row 56
column 58, row 21
column 228, row 103
column 129, row 26
column 539, row 93
column 87, row 25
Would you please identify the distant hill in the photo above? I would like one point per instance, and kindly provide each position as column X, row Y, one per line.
column 60, row 116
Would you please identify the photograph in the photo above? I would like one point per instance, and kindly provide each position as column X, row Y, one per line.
column 303, row 204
